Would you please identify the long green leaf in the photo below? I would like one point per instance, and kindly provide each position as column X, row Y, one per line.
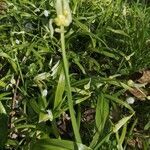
column 123, row 134
column 102, row 111
column 121, row 32
column 57, row 144
column 121, row 122
column 3, row 96
column 119, row 101
column 60, row 89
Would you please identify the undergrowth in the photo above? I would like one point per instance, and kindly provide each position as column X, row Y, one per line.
column 106, row 45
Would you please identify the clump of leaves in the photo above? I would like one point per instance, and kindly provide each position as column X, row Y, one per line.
column 106, row 42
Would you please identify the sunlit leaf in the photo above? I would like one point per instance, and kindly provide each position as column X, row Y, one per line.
column 121, row 122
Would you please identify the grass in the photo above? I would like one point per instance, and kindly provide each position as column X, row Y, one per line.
column 58, row 87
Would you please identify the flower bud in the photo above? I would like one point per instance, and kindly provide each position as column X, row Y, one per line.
column 63, row 11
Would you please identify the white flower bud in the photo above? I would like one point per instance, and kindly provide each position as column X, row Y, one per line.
column 130, row 100
column 17, row 41
column 50, row 115
column 37, row 10
column 44, row 92
column 46, row 13
column 13, row 81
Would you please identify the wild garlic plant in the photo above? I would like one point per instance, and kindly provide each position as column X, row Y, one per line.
column 63, row 19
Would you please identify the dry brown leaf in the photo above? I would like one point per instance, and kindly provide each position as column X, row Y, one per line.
column 139, row 143
column 145, row 77
column 138, row 93
column 3, row 7
column 131, row 142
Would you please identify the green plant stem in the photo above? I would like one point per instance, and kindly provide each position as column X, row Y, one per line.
column 69, row 93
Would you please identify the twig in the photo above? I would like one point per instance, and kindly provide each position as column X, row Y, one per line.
column 13, row 103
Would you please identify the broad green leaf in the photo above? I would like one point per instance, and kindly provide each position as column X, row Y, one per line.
column 42, row 76
column 2, row 109
column 80, row 91
column 3, row 96
column 55, row 69
column 80, row 100
column 27, row 15
column 60, row 89
column 102, row 111
column 46, row 116
column 123, row 134
column 2, row 84
column 125, row 86
column 57, row 144
column 87, row 86
column 121, row 122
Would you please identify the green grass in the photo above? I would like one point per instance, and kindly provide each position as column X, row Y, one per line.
column 44, row 76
